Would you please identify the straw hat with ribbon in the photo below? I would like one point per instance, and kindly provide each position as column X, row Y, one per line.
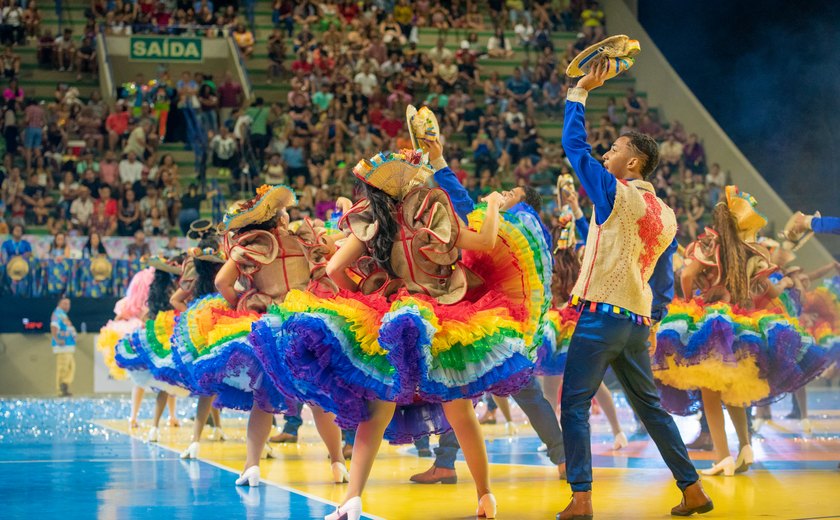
column 167, row 266
column 264, row 206
column 17, row 268
column 394, row 173
column 747, row 219
column 101, row 268
column 619, row 50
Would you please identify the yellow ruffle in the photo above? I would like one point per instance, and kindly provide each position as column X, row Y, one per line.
column 739, row 384
column 164, row 325
column 363, row 321
column 456, row 332
column 106, row 344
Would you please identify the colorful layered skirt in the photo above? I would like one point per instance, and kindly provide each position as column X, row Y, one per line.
column 132, row 355
column 340, row 353
column 107, row 340
column 214, row 356
column 821, row 316
column 557, row 335
column 750, row 357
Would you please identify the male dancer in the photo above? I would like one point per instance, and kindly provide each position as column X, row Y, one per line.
column 626, row 279
column 530, row 398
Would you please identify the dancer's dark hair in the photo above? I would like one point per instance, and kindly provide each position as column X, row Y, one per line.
column 733, row 256
column 646, row 148
column 163, row 285
column 533, row 198
column 566, row 270
column 206, row 281
column 383, row 207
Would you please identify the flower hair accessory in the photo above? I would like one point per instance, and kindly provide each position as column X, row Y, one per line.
column 264, row 206
column 208, row 254
column 395, row 173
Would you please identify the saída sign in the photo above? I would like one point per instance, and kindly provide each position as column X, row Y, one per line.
column 166, row 49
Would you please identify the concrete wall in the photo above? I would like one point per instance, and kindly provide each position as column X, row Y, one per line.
column 675, row 100
column 27, row 367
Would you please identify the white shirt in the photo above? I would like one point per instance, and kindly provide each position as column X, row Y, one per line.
column 130, row 171
column 366, row 82
column 81, row 210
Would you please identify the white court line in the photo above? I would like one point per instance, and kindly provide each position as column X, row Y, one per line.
column 229, row 470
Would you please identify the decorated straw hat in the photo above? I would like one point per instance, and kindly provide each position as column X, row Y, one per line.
column 17, row 268
column 422, row 125
column 167, row 266
column 742, row 207
column 264, row 206
column 199, row 227
column 101, row 268
column 619, row 50
column 394, row 173
column 208, row 254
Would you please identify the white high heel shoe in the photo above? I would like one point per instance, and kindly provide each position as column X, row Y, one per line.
column 620, row 441
column 191, row 452
column 486, row 506
column 267, row 452
column 250, row 476
column 510, row 429
column 745, row 459
column 340, row 473
column 216, row 434
column 543, row 448
column 153, row 435
column 350, row 510
column 726, row 466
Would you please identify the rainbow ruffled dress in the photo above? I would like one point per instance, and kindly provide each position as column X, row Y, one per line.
column 441, row 329
column 552, row 353
column 821, row 316
column 106, row 343
column 751, row 357
column 132, row 354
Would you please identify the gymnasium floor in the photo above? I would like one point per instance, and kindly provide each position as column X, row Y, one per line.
column 76, row 459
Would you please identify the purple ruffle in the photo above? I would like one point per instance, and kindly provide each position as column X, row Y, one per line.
column 414, row 421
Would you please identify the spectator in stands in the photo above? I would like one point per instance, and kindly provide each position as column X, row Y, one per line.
column 230, row 97
column 12, row 29
column 94, row 247
column 694, row 155
column 16, row 244
column 34, row 120
column 152, row 200
column 130, row 169
column 10, row 63
column 651, row 127
column 554, row 95
column 225, row 151
column 440, row 52
column 14, row 92
column 65, row 50
column 59, row 248
column 116, row 124
column 139, row 248
column 209, row 105
column 155, row 224
column 12, row 186
column 258, row 128
column 366, row 81
column 716, row 181
column 670, row 151
column 86, row 60
column 139, row 140
column 593, row 21
column 244, row 40
column 32, row 20
column 633, row 104
column 519, row 90
column 190, row 207
column 306, row 13
column 46, row 49
column 129, row 214
column 276, row 55
column 81, row 210
column 282, row 15
column 498, row 46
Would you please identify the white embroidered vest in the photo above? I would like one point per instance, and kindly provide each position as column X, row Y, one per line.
column 622, row 252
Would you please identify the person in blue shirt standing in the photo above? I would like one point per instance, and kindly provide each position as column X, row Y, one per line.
column 625, row 283
column 530, row 399
column 64, row 347
column 16, row 245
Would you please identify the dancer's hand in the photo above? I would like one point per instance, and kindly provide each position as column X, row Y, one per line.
column 494, row 199
column 434, row 148
column 596, row 76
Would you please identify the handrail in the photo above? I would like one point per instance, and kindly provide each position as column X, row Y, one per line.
column 105, row 73
column 241, row 69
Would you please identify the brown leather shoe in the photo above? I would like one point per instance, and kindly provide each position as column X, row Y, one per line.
column 694, row 500
column 434, row 475
column 347, row 451
column 561, row 471
column 283, row 438
column 580, row 508
column 702, row 442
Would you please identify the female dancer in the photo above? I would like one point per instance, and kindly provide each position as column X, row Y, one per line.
column 551, row 357
column 196, row 283
column 727, row 345
column 130, row 311
column 415, row 325
column 267, row 260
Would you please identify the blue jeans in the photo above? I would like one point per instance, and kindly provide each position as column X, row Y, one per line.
column 533, row 403
column 349, row 436
column 293, row 421
column 600, row 341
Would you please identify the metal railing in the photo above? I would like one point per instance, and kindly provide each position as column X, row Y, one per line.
column 106, row 76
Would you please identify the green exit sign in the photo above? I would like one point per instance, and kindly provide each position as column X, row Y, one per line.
column 166, row 49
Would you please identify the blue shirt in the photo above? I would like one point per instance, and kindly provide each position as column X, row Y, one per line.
column 11, row 248
column 66, row 331
column 600, row 186
column 826, row 225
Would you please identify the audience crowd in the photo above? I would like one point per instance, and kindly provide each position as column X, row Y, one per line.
column 74, row 165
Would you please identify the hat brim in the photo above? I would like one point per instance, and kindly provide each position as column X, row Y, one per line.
column 397, row 177
column 619, row 49
column 431, row 127
column 211, row 258
column 199, row 227
column 410, row 112
column 101, row 269
column 161, row 264
column 277, row 198
column 17, row 268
